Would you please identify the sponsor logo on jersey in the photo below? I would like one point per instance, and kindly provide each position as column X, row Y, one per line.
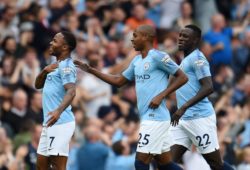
column 142, row 77
column 49, row 77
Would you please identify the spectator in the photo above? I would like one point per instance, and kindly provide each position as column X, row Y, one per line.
column 246, row 160
column 138, row 18
column 5, row 150
column 8, row 22
column 220, row 39
column 155, row 11
column 81, row 50
column 120, row 157
column 107, row 114
column 95, row 87
column 204, row 10
column 240, row 9
column 9, row 45
column 118, row 27
column 186, row 16
column 241, row 55
column 87, row 154
column 31, row 156
column 170, row 13
column 16, row 115
column 11, row 70
column 26, row 38
column 112, row 54
column 31, row 68
column 35, row 108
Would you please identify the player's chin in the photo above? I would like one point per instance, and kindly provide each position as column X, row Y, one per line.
column 137, row 48
column 181, row 47
column 51, row 51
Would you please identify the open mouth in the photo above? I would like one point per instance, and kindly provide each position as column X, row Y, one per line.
column 180, row 44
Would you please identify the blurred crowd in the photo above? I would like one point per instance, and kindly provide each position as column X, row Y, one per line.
column 106, row 117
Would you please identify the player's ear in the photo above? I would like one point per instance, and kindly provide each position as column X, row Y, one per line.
column 65, row 47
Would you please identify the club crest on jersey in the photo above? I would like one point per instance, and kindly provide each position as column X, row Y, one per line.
column 166, row 59
column 146, row 66
column 49, row 77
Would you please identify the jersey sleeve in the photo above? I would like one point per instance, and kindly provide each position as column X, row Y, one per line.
column 165, row 63
column 129, row 72
column 67, row 72
column 201, row 68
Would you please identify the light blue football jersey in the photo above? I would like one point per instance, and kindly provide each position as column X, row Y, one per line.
column 54, row 92
column 151, row 78
column 196, row 67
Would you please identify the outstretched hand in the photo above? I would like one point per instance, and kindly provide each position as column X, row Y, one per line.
column 177, row 115
column 81, row 65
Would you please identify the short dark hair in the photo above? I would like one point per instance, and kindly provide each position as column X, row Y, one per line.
column 195, row 29
column 69, row 39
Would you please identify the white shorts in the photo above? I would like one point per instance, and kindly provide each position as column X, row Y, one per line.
column 55, row 140
column 154, row 137
column 201, row 132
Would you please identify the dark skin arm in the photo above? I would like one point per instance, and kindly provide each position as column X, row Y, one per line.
column 180, row 79
column 40, row 79
column 116, row 80
column 205, row 90
column 70, row 89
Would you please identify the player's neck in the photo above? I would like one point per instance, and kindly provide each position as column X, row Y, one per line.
column 63, row 56
column 145, row 51
column 187, row 52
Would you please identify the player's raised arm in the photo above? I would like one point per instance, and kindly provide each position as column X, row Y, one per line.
column 40, row 79
column 116, row 80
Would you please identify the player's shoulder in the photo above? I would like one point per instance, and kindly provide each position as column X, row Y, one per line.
column 136, row 58
column 197, row 55
column 67, row 66
column 158, row 55
column 198, row 58
column 67, row 63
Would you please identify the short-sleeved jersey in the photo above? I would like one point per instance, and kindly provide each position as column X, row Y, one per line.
column 54, row 92
column 196, row 67
column 151, row 78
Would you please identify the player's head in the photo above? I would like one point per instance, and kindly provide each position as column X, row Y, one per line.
column 142, row 35
column 189, row 37
column 62, row 42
